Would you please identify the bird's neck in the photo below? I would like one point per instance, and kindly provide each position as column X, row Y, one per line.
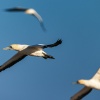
column 87, row 82
column 22, row 47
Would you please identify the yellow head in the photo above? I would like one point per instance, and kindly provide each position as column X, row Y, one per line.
column 30, row 11
column 82, row 81
column 13, row 47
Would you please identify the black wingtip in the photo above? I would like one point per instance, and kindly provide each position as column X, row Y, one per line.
column 9, row 10
column 15, row 9
column 59, row 41
column 52, row 57
column 6, row 10
column 42, row 26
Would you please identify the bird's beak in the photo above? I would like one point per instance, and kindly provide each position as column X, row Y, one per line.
column 7, row 48
column 75, row 82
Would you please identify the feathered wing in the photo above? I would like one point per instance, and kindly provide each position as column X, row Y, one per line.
column 97, row 75
column 39, row 19
column 82, row 93
column 15, row 9
column 16, row 58
column 59, row 41
column 42, row 26
column 19, row 9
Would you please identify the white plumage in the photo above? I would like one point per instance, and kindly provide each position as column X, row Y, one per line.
column 93, row 83
column 29, row 11
column 25, row 50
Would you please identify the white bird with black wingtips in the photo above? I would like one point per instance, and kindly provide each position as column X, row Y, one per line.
column 25, row 50
column 30, row 11
column 93, row 83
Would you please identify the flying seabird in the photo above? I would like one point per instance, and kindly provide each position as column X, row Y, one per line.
column 25, row 50
column 30, row 11
column 93, row 83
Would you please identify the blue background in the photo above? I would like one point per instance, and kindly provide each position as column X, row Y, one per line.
column 76, row 22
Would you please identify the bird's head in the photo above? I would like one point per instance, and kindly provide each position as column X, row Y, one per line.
column 30, row 11
column 12, row 47
column 82, row 81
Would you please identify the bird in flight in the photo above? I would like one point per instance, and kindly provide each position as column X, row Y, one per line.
column 30, row 11
column 93, row 83
column 25, row 50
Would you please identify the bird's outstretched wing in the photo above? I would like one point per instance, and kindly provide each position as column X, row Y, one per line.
column 97, row 75
column 82, row 93
column 15, row 9
column 42, row 26
column 16, row 58
column 32, row 12
column 59, row 41
column 39, row 18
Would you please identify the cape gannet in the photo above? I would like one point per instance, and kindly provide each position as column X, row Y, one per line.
column 25, row 50
column 30, row 11
column 93, row 83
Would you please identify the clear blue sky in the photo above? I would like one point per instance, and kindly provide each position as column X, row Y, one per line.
column 76, row 22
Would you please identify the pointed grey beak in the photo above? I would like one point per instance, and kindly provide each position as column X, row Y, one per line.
column 75, row 82
column 7, row 48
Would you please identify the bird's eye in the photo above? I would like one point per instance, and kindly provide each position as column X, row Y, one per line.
column 10, row 46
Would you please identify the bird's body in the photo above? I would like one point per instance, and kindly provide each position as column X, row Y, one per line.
column 93, row 83
column 29, row 11
column 27, row 50
column 35, row 50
